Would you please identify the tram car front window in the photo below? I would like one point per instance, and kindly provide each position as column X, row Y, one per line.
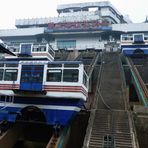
column 26, row 49
column 138, row 38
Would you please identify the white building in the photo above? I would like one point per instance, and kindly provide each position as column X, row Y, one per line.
column 80, row 26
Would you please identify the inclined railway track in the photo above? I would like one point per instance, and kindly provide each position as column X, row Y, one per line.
column 109, row 124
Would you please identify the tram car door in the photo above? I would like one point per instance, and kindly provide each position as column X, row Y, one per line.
column 32, row 77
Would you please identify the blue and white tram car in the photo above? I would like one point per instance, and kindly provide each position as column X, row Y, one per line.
column 40, row 90
column 134, row 44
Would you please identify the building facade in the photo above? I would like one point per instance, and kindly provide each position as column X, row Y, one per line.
column 93, row 25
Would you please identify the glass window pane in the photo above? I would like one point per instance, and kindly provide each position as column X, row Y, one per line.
column 54, row 65
column 71, row 65
column 84, row 79
column 1, row 65
column 138, row 38
column 62, row 44
column 26, row 48
column 70, row 75
column 25, row 76
column 11, row 65
column 10, row 75
column 37, row 76
column 1, row 74
column 54, row 75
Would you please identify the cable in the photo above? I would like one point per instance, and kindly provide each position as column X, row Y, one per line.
column 104, row 100
column 98, row 90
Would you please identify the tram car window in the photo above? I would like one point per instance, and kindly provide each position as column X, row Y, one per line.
column 26, row 48
column 71, row 65
column 146, row 37
column 138, row 38
column 85, row 79
column 70, row 75
column 54, row 75
column 25, row 76
column 10, row 75
column 1, row 65
column 11, row 65
column 1, row 74
column 54, row 65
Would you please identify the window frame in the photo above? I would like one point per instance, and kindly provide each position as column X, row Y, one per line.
column 11, row 75
column 4, row 68
column 54, row 71
column 64, row 44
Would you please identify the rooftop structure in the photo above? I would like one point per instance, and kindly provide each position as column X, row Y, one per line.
column 78, row 12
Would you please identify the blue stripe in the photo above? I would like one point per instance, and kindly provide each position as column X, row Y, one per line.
column 134, row 46
column 79, row 29
column 47, row 101
column 131, row 51
column 62, row 117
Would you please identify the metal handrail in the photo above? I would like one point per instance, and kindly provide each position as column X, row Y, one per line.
column 138, row 84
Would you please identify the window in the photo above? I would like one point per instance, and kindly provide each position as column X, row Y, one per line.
column 84, row 79
column 54, row 75
column 37, row 76
column 54, row 65
column 128, row 37
column 138, row 38
column 11, row 65
column 124, row 38
column 62, row 44
column 10, row 75
column 26, row 76
column 26, row 48
column 39, row 48
column 1, row 65
column 70, row 75
column 146, row 37
column 71, row 65
column 1, row 74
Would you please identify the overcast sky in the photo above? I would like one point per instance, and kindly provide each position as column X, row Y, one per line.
column 19, row 9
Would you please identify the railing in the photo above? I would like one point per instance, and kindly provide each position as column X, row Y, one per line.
column 36, row 48
column 83, row 46
column 93, row 63
column 143, row 92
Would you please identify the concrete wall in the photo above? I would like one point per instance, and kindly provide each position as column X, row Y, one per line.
column 136, row 27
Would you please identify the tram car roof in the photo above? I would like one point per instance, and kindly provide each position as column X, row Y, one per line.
column 6, row 61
